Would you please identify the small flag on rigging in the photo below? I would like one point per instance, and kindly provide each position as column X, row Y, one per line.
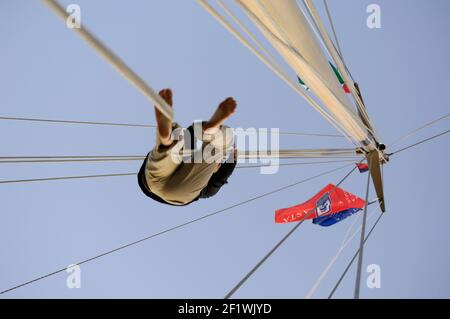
column 303, row 84
column 362, row 167
column 338, row 76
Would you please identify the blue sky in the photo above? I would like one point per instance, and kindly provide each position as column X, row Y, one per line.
column 47, row 71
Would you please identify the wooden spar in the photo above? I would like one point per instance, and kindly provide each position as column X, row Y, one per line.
column 373, row 159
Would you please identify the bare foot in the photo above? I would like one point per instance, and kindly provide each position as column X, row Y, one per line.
column 223, row 112
column 164, row 124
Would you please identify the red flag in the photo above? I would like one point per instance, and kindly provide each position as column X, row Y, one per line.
column 330, row 200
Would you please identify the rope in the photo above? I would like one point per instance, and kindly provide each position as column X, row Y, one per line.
column 312, row 134
column 74, row 122
column 353, row 259
column 418, row 129
column 363, row 234
column 420, row 142
column 139, row 125
column 261, row 262
column 336, row 39
column 347, row 239
column 174, row 228
column 70, row 161
column 339, row 159
column 299, row 153
column 71, row 157
column 63, row 178
column 235, row 18
column 115, row 61
column 66, row 159
column 251, row 272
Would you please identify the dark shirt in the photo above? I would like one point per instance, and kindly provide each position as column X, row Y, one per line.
column 217, row 180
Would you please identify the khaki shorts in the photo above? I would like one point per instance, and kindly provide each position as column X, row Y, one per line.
column 173, row 180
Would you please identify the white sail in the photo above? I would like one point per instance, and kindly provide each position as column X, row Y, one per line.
column 285, row 26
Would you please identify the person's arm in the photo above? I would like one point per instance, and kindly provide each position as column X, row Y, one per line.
column 218, row 179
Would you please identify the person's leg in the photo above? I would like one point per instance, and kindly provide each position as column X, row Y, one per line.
column 164, row 125
column 223, row 112
column 165, row 158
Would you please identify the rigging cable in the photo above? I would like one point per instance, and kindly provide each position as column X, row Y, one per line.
column 57, row 160
column 418, row 143
column 353, row 259
column 175, row 228
column 261, row 262
column 336, row 39
column 235, row 18
column 418, row 129
column 63, row 178
column 299, row 153
column 139, row 125
column 363, row 235
column 27, row 119
column 345, row 242
column 133, row 174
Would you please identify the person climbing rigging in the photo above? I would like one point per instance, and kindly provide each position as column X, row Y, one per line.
column 167, row 177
